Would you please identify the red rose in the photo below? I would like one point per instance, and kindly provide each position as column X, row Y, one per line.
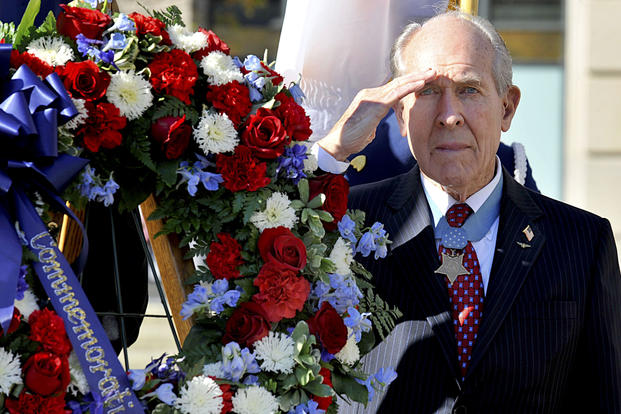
column 36, row 404
column 265, row 135
column 48, row 328
column 46, row 373
column 241, row 171
column 102, row 126
column 150, row 25
column 84, row 80
column 75, row 20
column 247, row 324
column 324, row 402
column 281, row 291
column 174, row 73
column 173, row 134
column 224, row 258
column 213, row 43
column 336, row 189
column 232, row 98
column 329, row 327
column 15, row 321
column 294, row 118
column 38, row 66
column 280, row 245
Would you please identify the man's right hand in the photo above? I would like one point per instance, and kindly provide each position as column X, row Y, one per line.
column 356, row 127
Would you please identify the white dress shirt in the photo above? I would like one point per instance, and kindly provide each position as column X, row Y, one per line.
column 440, row 201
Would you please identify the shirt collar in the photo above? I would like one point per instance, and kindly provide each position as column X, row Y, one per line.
column 440, row 201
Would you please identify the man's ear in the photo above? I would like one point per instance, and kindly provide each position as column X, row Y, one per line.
column 398, row 108
column 510, row 103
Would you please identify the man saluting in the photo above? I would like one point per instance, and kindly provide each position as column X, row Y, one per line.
column 510, row 299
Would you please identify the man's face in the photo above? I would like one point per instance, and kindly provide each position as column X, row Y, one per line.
column 454, row 123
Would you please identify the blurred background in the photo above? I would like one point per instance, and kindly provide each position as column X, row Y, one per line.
column 566, row 62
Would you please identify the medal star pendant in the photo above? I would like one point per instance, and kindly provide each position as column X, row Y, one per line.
column 452, row 266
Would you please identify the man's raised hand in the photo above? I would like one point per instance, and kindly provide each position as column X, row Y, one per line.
column 356, row 127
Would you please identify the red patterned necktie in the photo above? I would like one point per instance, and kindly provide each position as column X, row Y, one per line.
column 466, row 292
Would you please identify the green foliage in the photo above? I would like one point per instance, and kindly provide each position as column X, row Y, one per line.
column 202, row 343
column 344, row 384
column 170, row 16
column 162, row 408
column 27, row 21
column 7, row 32
column 171, row 106
column 383, row 316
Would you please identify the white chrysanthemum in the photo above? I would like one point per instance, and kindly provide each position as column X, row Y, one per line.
column 350, row 353
column 342, row 256
column 278, row 212
column 52, row 50
column 27, row 305
column 220, row 68
column 80, row 118
column 215, row 133
column 310, row 163
column 185, row 39
column 200, row 396
column 10, row 371
column 276, row 350
column 213, row 370
column 130, row 93
column 78, row 379
column 254, row 400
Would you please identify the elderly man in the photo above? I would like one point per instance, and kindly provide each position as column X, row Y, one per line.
column 510, row 299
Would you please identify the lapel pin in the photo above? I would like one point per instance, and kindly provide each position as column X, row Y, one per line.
column 523, row 245
column 528, row 232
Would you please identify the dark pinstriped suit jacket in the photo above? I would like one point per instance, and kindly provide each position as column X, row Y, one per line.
column 550, row 337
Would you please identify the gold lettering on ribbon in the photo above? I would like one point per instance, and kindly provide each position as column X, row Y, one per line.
column 94, row 354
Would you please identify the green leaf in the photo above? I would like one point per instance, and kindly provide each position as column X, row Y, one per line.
column 27, row 20
column 367, row 342
column 317, row 201
column 317, row 388
column 304, row 216
column 344, row 384
column 300, row 333
column 316, row 226
column 296, row 204
column 325, row 216
column 164, row 409
column 327, row 265
column 168, row 172
column 304, row 375
column 303, row 189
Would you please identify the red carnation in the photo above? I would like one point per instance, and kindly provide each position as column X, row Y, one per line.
column 247, row 324
column 265, row 135
column 232, row 98
column 102, row 126
column 324, row 402
column 241, row 171
column 213, row 43
column 293, row 116
column 174, row 73
column 224, row 258
column 48, row 328
column 36, row 404
column 173, row 134
column 75, row 20
column 46, row 373
column 280, row 245
column 150, row 25
column 329, row 327
column 38, row 66
column 84, row 80
column 336, row 189
column 281, row 291
column 227, row 398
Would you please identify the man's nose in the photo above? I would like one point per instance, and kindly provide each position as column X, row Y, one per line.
column 449, row 111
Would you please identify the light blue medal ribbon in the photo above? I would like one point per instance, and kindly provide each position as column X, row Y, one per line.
column 475, row 227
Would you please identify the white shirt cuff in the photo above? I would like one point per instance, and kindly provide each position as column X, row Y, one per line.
column 327, row 162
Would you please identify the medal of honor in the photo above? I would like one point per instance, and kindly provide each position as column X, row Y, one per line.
column 452, row 266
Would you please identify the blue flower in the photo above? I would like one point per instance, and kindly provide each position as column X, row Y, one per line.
column 385, row 376
column 117, row 41
column 366, row 244
column 309, row 407
column 237, row 62
column 342, row 292
column 367, row 383
column 22, row 285
column 296, row 93
column 165, row 394
column 194, row 175
column 138, row 378
column 253, row 63
column 346, row 228
column 236, row 362
column 255, row 95
column 123, row 23
column 92, row 187
column 381, row 239
column 292, row 162
column 357, row 322
column 251, row 380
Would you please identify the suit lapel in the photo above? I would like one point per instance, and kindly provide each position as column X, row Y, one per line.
column 415, row 255
column 512, row 262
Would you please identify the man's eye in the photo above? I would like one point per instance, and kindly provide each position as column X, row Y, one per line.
column 469, row 90
column 426, row 91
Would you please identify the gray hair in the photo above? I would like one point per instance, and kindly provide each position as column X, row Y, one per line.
column 502, row 66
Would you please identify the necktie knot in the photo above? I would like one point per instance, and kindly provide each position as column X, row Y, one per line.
column 457, row 214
